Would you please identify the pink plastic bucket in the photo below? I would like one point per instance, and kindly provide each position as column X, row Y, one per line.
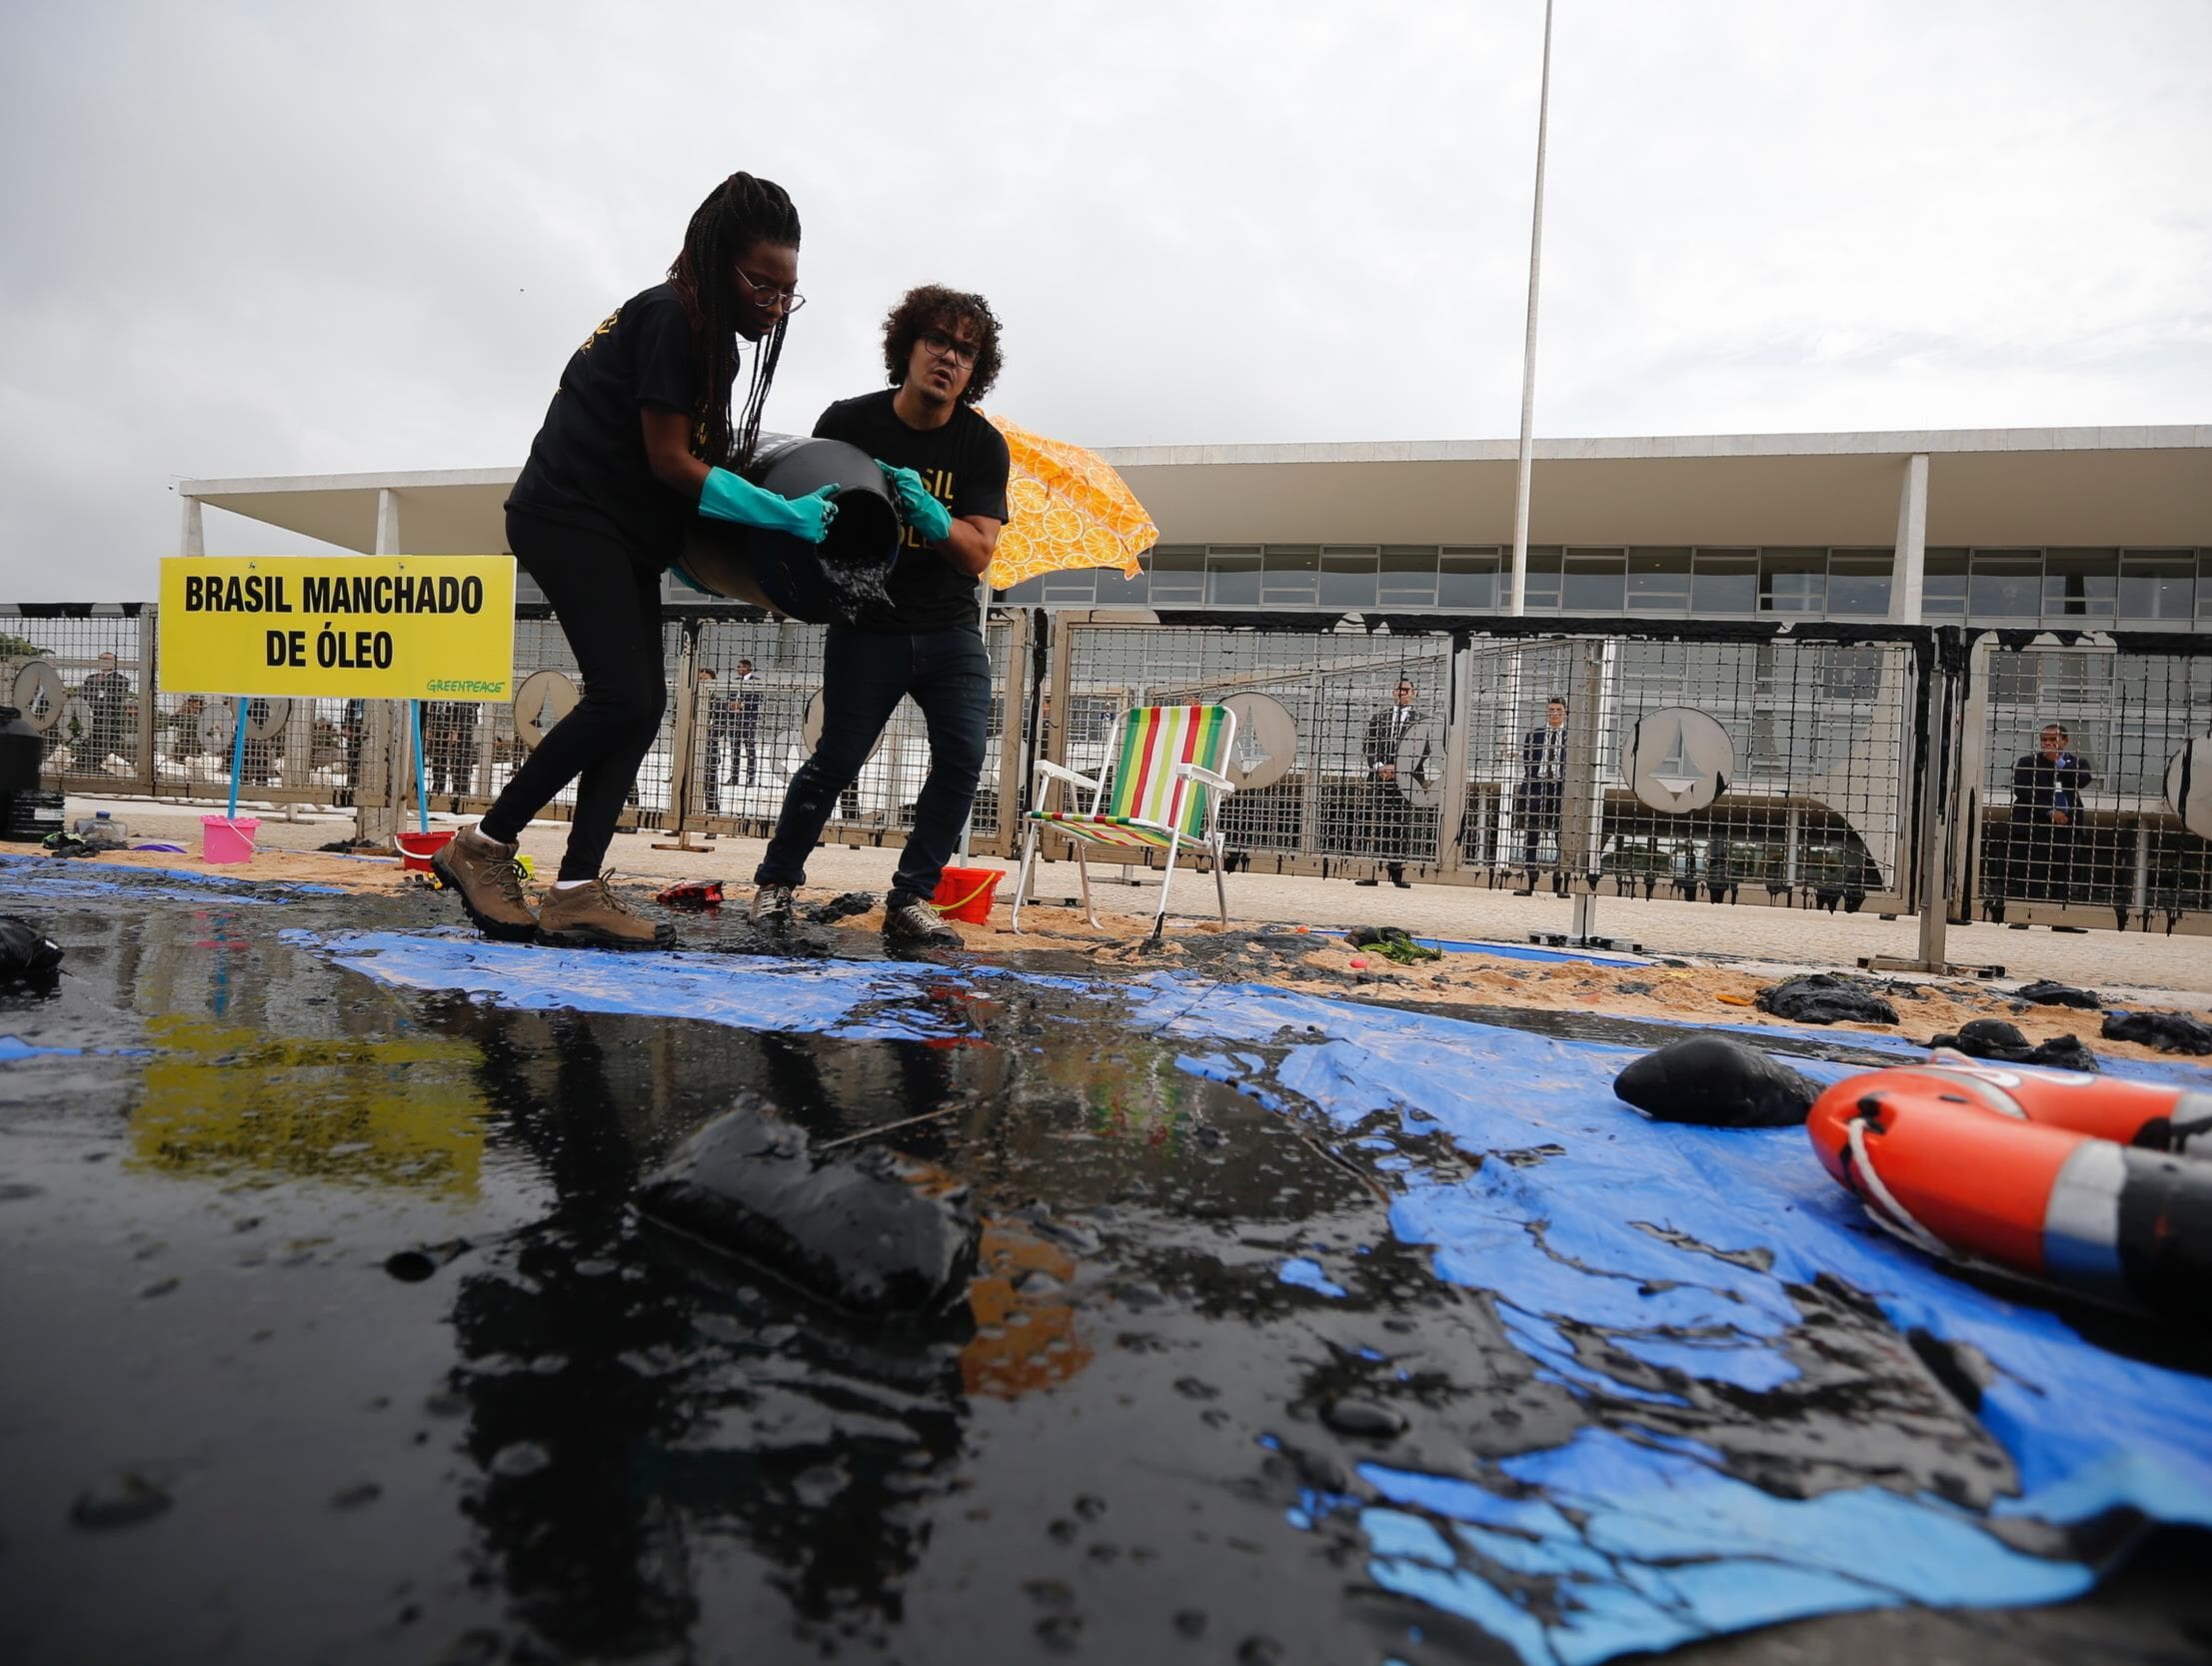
column 228, row 838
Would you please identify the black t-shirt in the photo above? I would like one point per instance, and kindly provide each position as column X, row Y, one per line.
column 964, row 463
column 587, row 465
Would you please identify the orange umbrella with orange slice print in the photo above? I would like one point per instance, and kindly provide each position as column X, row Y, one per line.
column 1068, row 509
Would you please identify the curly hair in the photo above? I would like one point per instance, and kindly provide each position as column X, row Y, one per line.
column 737, row 214
column 933, row 306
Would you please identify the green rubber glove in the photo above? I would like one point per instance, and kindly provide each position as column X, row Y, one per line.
column 917, row 506
column 729, row 497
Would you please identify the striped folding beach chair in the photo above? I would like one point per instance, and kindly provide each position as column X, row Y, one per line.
column 1161, row 791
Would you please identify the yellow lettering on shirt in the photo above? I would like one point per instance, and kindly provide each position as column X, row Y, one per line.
column 614, row 318
column 940, row 485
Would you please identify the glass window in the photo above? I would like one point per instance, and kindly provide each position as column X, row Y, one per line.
column 1286, row 575
column 1467, row 579
column 1179, row 575
column 1943, row 584
column 2080, row 584
column 1077, row 587
column 1408, row 576
column 1347, row 578
column 2005, row 584
column 2157, row 585
column 1724, row 583
column 1793, row 581
column 1232, row 575
column 1544, row 564
column 1025, row 593
column 1659, row 580
column 1117, row 591
column 1858, row 583
column 1594, row 582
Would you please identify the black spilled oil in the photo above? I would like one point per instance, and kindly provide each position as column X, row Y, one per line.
column 353, row 1279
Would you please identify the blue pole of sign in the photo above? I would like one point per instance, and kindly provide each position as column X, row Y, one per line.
column 422, row 779
column 239, row 713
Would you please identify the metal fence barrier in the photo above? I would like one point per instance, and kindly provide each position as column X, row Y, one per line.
column 2076, row 750
column 1784, row 756
column 1766, row 761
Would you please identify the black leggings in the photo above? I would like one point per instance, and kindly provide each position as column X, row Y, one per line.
column 610, row 610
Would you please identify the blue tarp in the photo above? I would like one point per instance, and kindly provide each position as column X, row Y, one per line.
column 1680, row 1245
column 65, row 878
column 878, row 999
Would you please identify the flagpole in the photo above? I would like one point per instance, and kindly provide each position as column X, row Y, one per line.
column 1517, row 597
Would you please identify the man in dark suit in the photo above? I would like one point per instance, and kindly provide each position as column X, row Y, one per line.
column 107, row 692
column 1389, row 810
column 1543, row 772
column 745, row 725
column 2046, row 818
column 449, row 746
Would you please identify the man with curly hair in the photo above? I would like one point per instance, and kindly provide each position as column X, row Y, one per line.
column 947, row 468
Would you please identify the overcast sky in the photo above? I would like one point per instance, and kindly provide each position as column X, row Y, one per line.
column 242, row 239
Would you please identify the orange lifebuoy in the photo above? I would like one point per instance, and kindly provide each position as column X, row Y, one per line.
column 2094, row 1186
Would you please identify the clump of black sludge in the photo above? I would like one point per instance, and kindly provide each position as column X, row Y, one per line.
column 1716, row 1081
column 27, row 954
column 2167, row 1032
column 2008, row 1044
column 1822, row 998
column 866, row 1229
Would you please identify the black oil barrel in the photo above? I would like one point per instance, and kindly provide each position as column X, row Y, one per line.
column 822, row 583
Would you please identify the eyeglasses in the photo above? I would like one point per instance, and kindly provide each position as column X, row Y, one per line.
column 768, row 295
column 945, row 347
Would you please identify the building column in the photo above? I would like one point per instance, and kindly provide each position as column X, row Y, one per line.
column 1908, row 570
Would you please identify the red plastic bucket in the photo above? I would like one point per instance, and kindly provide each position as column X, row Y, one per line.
column 416, row 849
column 963, row 894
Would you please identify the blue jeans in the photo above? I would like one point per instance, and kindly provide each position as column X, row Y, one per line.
column 866, row 672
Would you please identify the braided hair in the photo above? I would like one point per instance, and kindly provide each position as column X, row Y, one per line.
column 737, row 214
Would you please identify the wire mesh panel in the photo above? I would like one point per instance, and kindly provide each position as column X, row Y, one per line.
column 759, row 715
column 1514, row 809
column 2076, row 825
column 1334, row 766
column 84, row 675
column 80, row 675
column 1723, row 763
column 1813, row 805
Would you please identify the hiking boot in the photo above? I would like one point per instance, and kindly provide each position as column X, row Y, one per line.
column 913, row 922
column 481, row 872
column 590, row 915
column 772, row 906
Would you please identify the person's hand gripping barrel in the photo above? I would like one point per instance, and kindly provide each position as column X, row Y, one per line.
column 729, row 497
column 917, row 506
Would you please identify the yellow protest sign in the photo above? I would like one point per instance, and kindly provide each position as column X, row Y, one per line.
column 354, row 627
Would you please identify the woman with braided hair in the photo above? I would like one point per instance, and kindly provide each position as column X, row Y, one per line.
column 629, row 453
